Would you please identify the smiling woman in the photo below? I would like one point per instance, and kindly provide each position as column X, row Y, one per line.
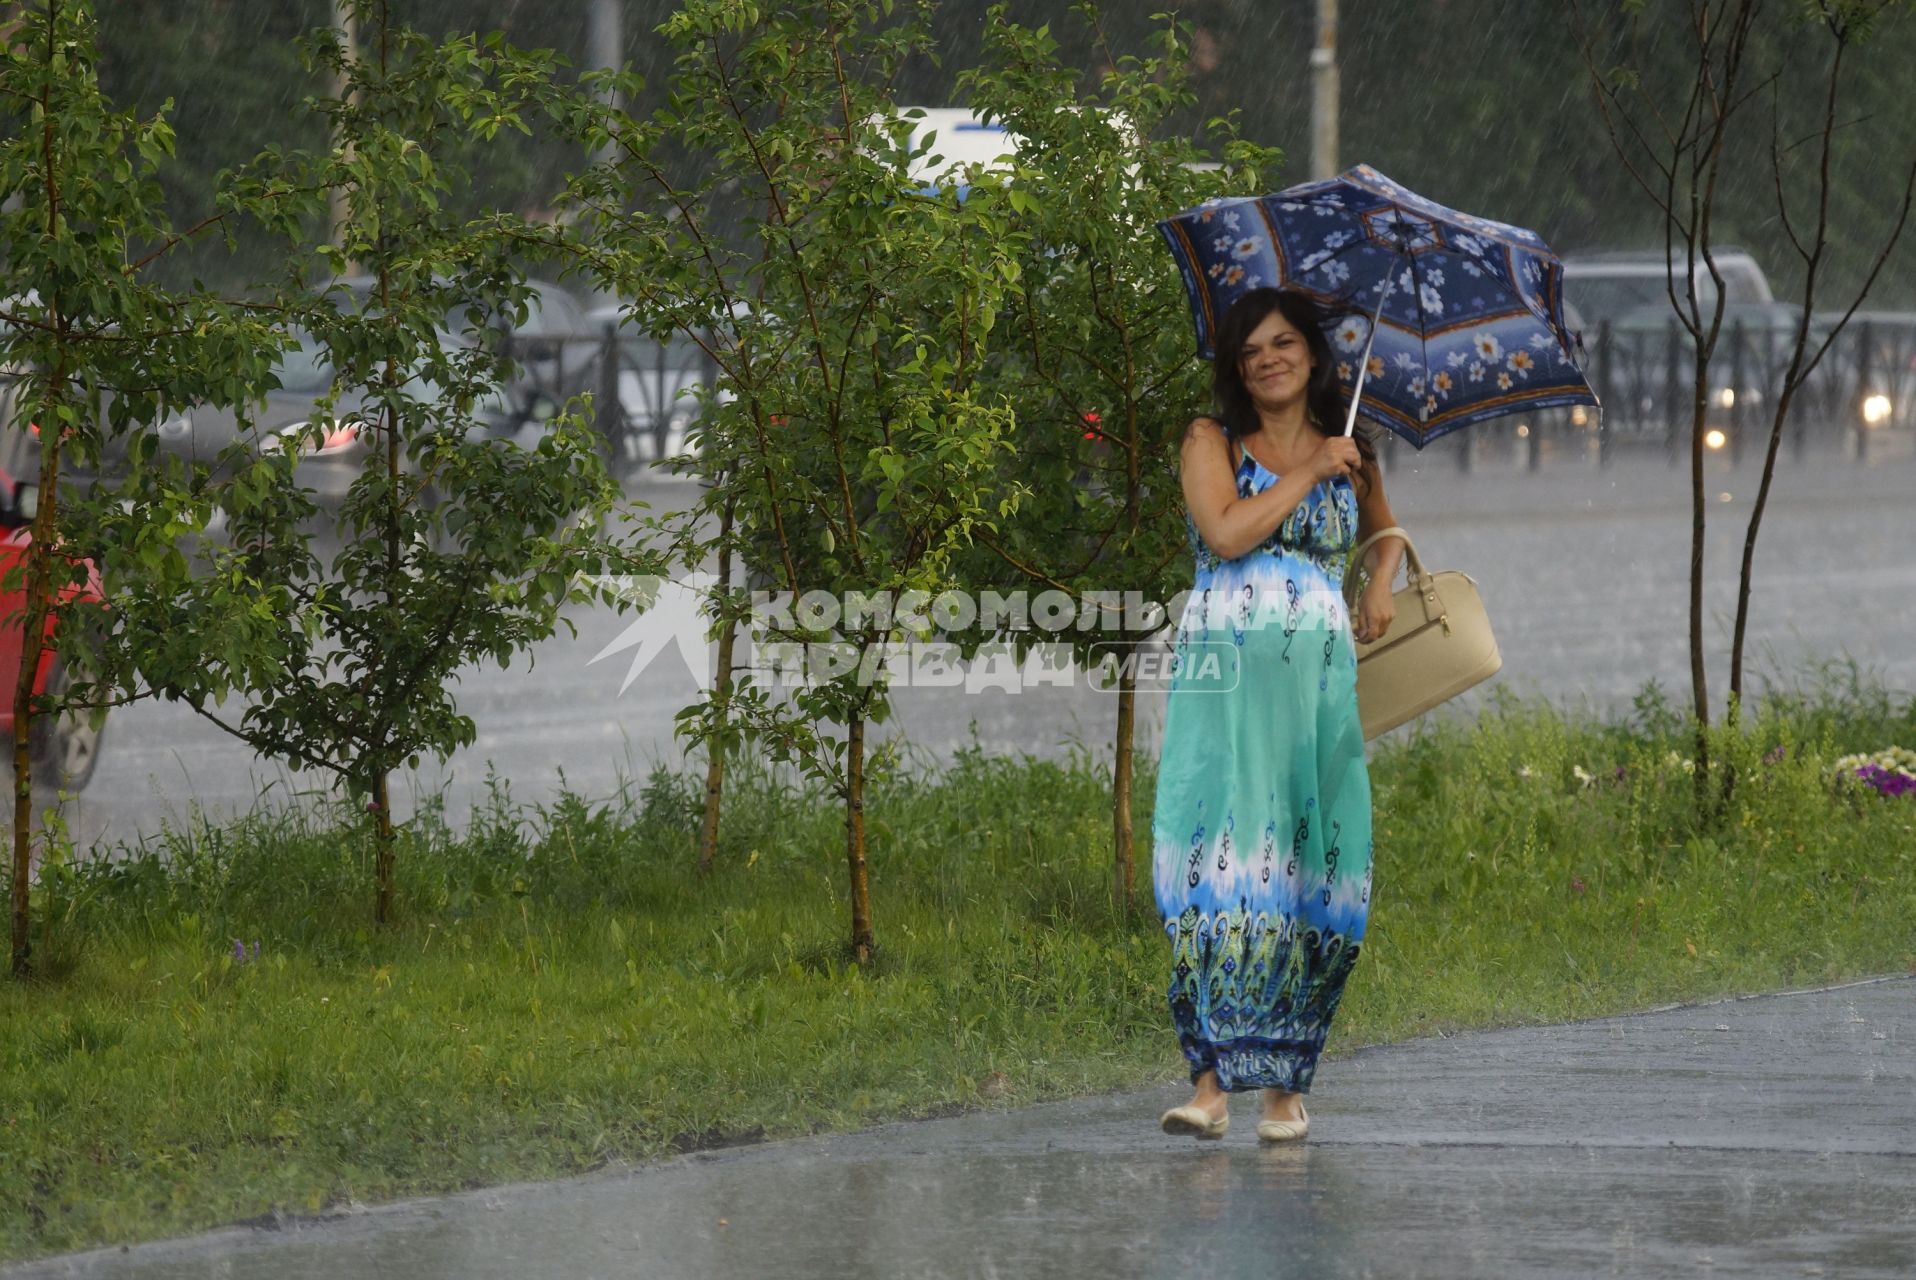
column 1262, row 828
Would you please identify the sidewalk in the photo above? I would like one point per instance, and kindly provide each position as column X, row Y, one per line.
column 1771, row 1136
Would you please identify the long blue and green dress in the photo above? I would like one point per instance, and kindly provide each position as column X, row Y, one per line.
column 1261, row 838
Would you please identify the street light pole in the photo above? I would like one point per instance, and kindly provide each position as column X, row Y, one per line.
column 345, row 20
column 605, row 47
column 1324, row 93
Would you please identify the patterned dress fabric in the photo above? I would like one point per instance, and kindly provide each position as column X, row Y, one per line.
column 1261, row 837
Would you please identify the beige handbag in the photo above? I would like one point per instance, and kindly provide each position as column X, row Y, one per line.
column 1438, row 645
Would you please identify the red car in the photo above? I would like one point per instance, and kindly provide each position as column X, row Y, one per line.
column 65, row 747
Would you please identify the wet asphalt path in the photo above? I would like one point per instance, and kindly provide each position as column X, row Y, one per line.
column 1583, row 572
column 1772, row 1136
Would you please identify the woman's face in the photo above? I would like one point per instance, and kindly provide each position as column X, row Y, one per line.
column 1275, row 363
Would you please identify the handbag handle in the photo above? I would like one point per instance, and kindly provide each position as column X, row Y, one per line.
column 1355, row 564
column 1419, row 576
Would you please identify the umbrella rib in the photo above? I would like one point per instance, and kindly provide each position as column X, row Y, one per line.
column 1417, row 301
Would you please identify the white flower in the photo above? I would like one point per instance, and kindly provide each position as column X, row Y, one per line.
column 1349, row 336
column 1582, row 775
column 1246, row 247
column 1525, row 771
column 1432, row 301
column 1487, row 346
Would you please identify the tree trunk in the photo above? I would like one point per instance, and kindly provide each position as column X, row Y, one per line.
column 863, row 940
column 1124, row 863
column 1699, row 680
column 714, row 741
column 383, row 855
column 1749, row 550
column 33, row 625
column 32, row 645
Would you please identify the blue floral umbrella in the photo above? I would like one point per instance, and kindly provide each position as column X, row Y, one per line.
column 1448, row 319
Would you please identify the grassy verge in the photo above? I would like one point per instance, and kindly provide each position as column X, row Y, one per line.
column 564, row 990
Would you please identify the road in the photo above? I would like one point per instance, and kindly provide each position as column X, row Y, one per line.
column 1772, row 1136
column 1583, row 572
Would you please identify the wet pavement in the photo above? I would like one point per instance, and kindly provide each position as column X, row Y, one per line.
column 1767, row 1136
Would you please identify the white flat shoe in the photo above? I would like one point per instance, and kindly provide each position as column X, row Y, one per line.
column 1195, row 1121
column 1284, row 1130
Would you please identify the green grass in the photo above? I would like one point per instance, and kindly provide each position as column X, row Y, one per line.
column 564, row 990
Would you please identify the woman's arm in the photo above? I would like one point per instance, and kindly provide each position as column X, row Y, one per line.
column 1230, row 525
column 1375, row 608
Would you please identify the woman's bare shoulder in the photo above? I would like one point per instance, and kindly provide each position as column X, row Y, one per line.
column 1196, row 427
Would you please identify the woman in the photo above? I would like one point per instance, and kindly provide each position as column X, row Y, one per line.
column 1262, row 833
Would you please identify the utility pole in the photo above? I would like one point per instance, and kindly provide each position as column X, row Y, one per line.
column 604, row 46
column 348, row 24
column 1324, row 93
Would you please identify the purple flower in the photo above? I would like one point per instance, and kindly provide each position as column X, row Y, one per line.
column 1774, row 755
column 1888, row 782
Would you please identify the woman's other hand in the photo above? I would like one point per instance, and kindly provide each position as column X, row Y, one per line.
column 1375, row 610
column 1334, row 456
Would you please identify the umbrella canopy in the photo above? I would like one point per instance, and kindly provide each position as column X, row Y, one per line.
column 1469, row 312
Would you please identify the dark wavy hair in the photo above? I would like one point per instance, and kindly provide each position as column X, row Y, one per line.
column 1325, row 404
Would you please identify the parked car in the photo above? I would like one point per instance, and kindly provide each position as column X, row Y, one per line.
column 652, row 402
column 1635, row 284
column 1640, row 357
column 64, row 748
column 552, row 367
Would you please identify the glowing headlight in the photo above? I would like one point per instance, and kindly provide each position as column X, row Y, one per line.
column 1876, row 409
column 1715, row 439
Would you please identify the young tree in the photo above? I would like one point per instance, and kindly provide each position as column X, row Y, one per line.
column 1677, row 120
column 1677, row 160
column 98, row 351
column 456, row 545
column 849, row 441
column 1098, row 349
column 1830, row 31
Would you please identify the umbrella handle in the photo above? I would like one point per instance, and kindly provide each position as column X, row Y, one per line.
column 1363, row 368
